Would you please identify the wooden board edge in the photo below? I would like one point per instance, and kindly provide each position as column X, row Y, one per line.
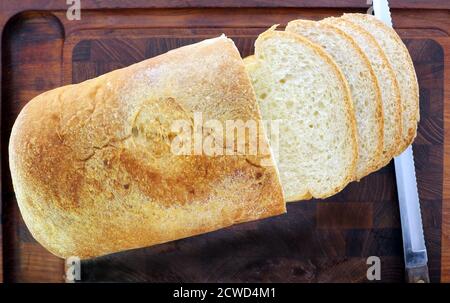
column 9, row 9
column 2, row 26
column 445, row 237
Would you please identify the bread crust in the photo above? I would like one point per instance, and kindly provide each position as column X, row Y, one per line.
column 91, row 165
column 249, row 60
column 349, row 111
column 377, row 153
column 410, row 133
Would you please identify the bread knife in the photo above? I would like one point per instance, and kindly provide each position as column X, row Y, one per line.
column 414, row 249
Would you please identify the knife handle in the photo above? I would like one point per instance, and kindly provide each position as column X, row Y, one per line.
column 417, row 274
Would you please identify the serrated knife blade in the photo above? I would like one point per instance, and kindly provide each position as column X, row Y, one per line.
column 414, row 249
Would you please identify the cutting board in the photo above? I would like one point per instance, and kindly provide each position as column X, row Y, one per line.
column 316, row 241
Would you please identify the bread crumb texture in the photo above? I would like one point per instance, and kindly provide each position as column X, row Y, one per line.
column 298, row 83
column 363, row 84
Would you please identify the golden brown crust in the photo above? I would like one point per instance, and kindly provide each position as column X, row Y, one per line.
column 92, row 167
column 349, row 111
column 301, row 197
column 411, row 132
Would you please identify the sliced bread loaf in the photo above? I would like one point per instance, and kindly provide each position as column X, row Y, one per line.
column 400, row 60
column 297, row 82
column 363, row 86
column 390, row 92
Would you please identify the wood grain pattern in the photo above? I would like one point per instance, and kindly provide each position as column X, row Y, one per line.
column 28, row 63
column 316, row 241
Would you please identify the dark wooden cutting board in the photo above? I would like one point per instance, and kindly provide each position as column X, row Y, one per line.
column 316, row 241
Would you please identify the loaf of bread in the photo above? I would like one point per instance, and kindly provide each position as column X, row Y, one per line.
column 94, row 167
column 299, row 84
column 363, row 85
column 400, row 60
column 390, row 92
column 94, row 172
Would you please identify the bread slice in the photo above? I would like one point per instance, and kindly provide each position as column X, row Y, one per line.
column 299, row 84
column 363, row 86
column 93, row 167
column 401, row 62
column 390, row 92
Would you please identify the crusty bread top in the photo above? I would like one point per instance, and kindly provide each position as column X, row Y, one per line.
column 304, row 177
column 92, row 167
column 399, row 58
column 363, row 84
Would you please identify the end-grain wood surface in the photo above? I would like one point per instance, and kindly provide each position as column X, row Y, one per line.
column 317, row 241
